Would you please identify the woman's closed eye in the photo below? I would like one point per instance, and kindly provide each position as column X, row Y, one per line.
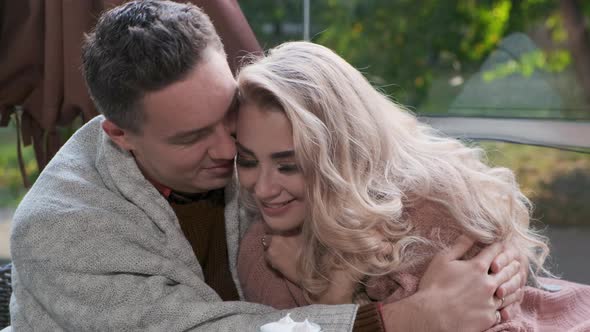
column 288, row 168
column 246, row 162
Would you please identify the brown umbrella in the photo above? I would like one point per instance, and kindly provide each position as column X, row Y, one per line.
column 40, row 62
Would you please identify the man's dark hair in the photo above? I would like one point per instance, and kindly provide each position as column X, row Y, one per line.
column 141, row 47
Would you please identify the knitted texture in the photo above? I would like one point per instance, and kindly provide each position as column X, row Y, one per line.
column 202, row 224
column 96, row 247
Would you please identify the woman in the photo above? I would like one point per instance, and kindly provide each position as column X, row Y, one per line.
column 361, row 193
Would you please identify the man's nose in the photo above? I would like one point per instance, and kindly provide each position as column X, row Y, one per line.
column 224, row 147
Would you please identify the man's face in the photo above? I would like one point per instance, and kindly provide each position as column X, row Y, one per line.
column 186, row 141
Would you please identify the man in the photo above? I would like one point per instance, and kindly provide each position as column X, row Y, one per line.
column 124, row 229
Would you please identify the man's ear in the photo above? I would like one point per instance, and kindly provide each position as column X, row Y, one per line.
column 117, row 134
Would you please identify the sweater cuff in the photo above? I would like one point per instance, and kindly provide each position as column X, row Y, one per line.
column 368, row 319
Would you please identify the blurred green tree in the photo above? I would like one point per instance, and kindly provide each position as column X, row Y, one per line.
column 404, row 46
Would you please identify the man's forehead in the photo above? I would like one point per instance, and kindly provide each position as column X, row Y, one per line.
column 232, row 107
column 201, row 99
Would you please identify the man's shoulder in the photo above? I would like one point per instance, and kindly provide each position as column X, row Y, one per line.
column 71, row 177
column 71, row 180
column 67, row 202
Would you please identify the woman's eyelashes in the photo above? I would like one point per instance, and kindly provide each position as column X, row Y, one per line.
column 246, row 162
column 288, row 168
column 249, row 162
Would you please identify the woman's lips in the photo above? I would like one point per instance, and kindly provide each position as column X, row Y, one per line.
column 275, row 209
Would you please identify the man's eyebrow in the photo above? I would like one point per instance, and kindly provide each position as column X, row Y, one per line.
column 189, row 133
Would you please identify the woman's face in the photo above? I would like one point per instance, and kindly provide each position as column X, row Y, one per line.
column 267, row 168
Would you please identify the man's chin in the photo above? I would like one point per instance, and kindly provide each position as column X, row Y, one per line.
column 210, row 185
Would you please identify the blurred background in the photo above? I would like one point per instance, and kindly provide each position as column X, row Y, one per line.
column 511, row 76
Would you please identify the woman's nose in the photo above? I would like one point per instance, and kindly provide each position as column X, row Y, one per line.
column 266, row 186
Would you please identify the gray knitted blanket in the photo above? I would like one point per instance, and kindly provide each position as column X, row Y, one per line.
column 95, row 247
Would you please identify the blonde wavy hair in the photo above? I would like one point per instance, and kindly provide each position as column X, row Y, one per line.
column 365, row 158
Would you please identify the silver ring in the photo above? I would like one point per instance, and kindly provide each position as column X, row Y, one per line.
column 264, row 244
column 498, row 317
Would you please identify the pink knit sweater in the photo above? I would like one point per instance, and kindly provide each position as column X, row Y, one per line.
column 565, row 310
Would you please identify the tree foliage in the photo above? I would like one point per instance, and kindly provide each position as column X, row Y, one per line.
column 406, row 46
